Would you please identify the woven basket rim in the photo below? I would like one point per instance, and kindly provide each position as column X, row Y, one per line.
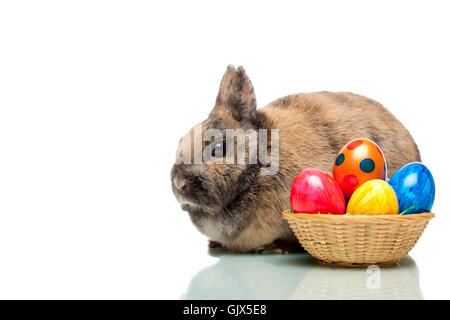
column 357, row 240
column 357, row 218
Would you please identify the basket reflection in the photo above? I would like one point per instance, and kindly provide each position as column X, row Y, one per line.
column 400, row 282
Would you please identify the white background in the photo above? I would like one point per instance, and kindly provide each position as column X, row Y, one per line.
column 94, row 96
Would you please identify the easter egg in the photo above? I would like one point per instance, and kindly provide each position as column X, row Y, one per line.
column 315, row 191
column 374, row 197
column 415, row 189
column 358, row 161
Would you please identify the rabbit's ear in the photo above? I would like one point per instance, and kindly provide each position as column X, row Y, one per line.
column 237, row 94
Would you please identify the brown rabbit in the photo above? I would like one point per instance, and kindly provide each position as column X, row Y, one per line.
column 238, row 207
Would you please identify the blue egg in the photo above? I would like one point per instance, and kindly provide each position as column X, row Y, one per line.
column 414, row 186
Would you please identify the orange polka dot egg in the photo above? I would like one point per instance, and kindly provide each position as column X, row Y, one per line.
column 358, row 161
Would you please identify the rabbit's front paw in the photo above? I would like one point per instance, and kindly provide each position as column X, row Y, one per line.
column 214, row 244
column 280, row 247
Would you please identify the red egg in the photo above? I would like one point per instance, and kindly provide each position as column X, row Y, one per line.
column 358, row 161
column 315, row 191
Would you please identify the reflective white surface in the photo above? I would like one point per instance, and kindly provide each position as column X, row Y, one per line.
column 95, row 95
column 299, row 276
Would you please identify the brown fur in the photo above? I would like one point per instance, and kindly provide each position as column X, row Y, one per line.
column 240, row 208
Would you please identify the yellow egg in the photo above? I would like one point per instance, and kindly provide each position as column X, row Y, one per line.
column 374, row 197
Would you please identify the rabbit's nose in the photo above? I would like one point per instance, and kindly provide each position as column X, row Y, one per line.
column 180, row 184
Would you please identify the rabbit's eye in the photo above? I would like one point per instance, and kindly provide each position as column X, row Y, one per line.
column 218, row 150
column 214, row 151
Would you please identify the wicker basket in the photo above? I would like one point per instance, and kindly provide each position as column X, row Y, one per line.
column 357, row 240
